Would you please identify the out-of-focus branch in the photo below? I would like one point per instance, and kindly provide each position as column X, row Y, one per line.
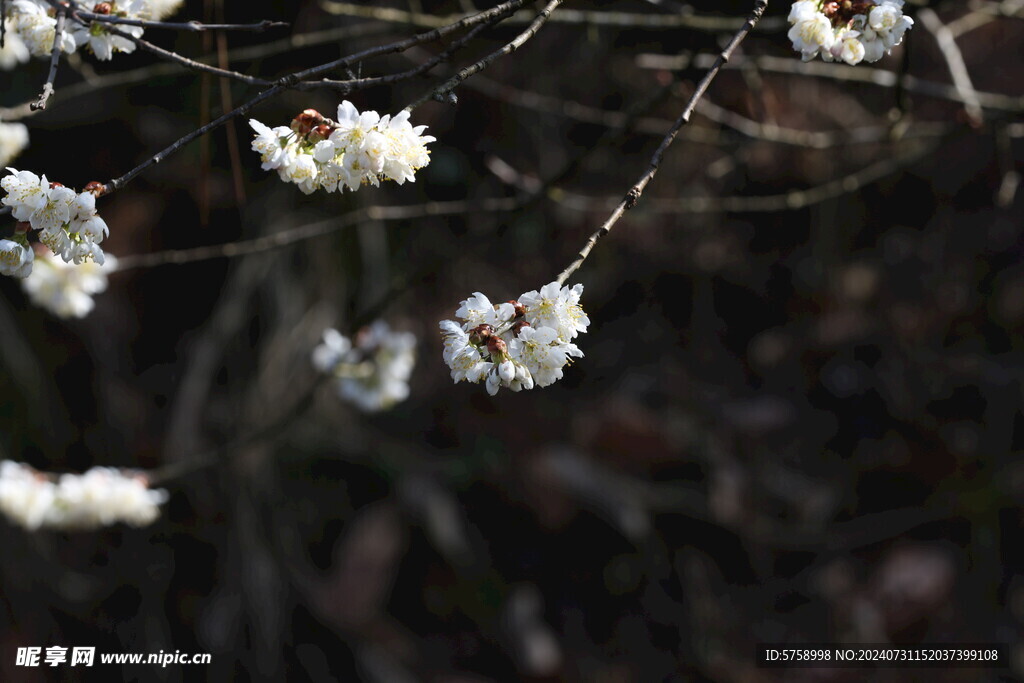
column 313, row 230
column 841, row 72
column 634, row 193
column 788, row 201
column 955, row 61
column 58, row 35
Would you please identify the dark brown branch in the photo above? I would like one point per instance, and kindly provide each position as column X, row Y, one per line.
column 193, row 26
column 118, row 183
column 448, row 86
column 635, row 192
column 419, row 39
column 351, row 85
column 185, row 61
column 58, row 35
column 80, row 17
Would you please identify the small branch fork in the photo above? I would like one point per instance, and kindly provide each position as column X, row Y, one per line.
column 635, row 192
column 58, row 36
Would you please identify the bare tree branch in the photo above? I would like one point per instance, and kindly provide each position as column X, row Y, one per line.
column 634, row 193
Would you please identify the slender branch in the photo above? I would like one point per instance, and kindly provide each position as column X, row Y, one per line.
column 193, row 26
column 58, row 36
column 448, row 86
column 701, row 22
column 118, row 183
column 348, row 86
column 3, row 23
column 185, row 61
column 78, row 16
column 955, row 61
column 419, row 39
column 635, row 192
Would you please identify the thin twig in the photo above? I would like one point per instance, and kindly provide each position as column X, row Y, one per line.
column 193, row 26
column 345, row 87
column 955, row 61
column 58, row 37
column 419, row 39
column 448, row 86
column 635, row 192
column 700, row 22
column 185, row 61
column 118, row 183
column 78, row 16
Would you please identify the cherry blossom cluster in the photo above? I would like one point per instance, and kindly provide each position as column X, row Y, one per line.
column 66, row 220
column 65, row 290
column 848, row 31
column 519, row 344
column 35, row 25
column 31, row 27
column 373, row 372
column 100, row 497
column 358, row 149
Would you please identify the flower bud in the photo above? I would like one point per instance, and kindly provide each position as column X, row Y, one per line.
column 520, row 309
column 496, row 345
column 507, row 371
column 321, row 132
column 22, row 227
column 102, row 8
column 480, row 334
column 94, row 187
column 55, row 184
column 518, row 327
column 306, row 121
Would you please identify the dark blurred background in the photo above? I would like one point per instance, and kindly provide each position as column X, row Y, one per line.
column 798, row 417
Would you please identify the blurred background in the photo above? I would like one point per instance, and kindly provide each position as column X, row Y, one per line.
column 799, row 416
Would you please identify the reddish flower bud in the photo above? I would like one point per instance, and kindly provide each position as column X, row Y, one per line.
column 480, row 334
column 306, row 121
column 321, row 132
column 95, row 187
column 520, row 309
column 22, row 226
column 55, row 184
column 517, row 327
column 102, row 8
column 496, row 345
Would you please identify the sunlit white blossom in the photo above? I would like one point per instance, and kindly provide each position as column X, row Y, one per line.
column 519, row 344
column 66, row 221
column 847, row 32
column 16, row 258
column 359, row 148
column 37, row 28
column 100, row 497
